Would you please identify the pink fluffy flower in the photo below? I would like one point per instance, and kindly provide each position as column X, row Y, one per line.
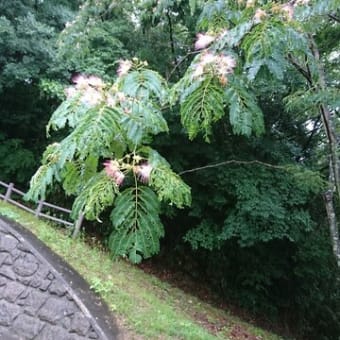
column 124, row 67
column 95, row 81
column 121, row 96
column 250, row 3
column 112, row 170
column 143, row 172
column 207, row 58
column 119, row 178
column 204, row 60
column 225, row 64
column 301, row 2
column 199, row 70
column 288, row 10
column 70, row 92
column 203, row 40
column 259, row 15
column 111, row 167
column 111, row 101
column 80, row 80
column 219, row 64
column 91, row 97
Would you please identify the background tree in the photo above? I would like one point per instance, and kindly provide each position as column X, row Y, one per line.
column 28, row 31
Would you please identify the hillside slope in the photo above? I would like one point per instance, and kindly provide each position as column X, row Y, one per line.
column 144, row 306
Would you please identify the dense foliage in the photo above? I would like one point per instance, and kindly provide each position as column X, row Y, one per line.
column 28, row 34
column 240, row 98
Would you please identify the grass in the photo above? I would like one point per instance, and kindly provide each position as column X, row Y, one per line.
column 144, row 306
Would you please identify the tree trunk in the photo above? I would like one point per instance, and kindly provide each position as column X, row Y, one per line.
column 334, row 164
column 333, row 227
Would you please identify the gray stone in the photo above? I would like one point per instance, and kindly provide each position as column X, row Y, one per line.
column 22, row 298
column 16, row 253
column 3, row 228
column 6, row 334
column 3, row 256
column 32, row 301
column 55, row 309
column 57, row 288
column 24, row 280
column 39, row 279
column 93, row 335
column 50, row 276
column 3, row 281
column 8, row 243
column 24, row 247
column 56, row 333
column 66, row 322
column 8, row 260
column 44, row 285
column 26, row 265
column 27, row 327
column 12, row 291
column 7, row 272
column 80, row 324
column 8, row 312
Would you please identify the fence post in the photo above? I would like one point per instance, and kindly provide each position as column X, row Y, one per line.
column 78, row 225
column 9, row 191
column 39, row 208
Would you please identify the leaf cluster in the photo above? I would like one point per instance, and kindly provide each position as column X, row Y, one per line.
column 115, row 122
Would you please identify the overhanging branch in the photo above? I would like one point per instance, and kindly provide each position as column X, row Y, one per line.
column 334, row 17
column 234, row 161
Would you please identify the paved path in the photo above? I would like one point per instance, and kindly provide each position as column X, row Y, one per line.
column 41, row 297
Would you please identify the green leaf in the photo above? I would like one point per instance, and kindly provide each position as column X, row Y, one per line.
column 244, row 114
column 236, row 34
column 170, row 187
column 98, row 132
column 167, row 184
column 137, row 227
column 98, row 193
column 143, row 119
column 68, row 113
column 266, row 45
column 76, row 173
column 203, row 107
column 39, row 182
column 144, row 84
column 47, row 172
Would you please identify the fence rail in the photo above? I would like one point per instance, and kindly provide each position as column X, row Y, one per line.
column 38, row 210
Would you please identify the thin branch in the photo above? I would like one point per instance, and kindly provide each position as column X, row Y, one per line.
column 171, row 36
column 234, row 161
column 310, row 76
column 301, row 69
column 335, row 18
column 312, row 134
column 180, row 62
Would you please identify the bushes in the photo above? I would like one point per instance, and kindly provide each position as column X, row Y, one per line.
column 258, row 235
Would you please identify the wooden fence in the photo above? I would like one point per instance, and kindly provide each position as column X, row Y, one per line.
column 38, row 211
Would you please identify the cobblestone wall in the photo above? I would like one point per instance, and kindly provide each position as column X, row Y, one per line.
column 35, row 302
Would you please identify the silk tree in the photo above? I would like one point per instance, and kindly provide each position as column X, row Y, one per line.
column 241, row 47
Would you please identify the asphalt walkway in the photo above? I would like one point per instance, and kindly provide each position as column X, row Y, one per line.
column 41, row 297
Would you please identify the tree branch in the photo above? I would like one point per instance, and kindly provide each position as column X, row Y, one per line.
column 234, row 161
column 310, row 138
column 172, row 42
column 180, row 62
column 304, row 71
column 335, row 18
